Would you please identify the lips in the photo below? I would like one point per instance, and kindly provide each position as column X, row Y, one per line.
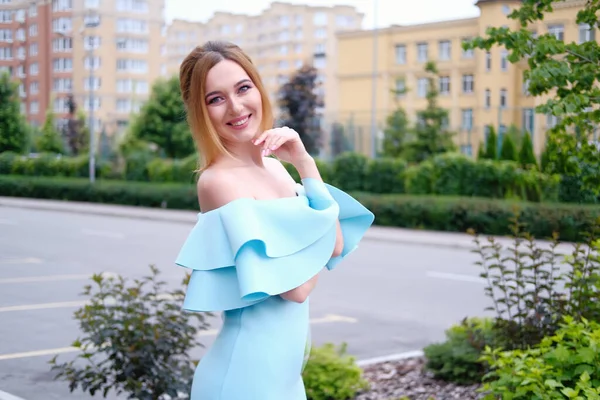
column 239, row 121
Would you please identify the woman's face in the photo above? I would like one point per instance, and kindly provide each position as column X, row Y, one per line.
column 233, row 102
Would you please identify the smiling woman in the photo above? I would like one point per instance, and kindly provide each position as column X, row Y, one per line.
column 261, row 239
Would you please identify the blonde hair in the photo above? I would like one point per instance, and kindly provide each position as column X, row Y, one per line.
column 192, row 81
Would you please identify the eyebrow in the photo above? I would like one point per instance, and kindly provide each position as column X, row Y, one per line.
column 237, row 84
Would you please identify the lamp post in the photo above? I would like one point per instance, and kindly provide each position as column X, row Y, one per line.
column 91, row 21
column 374, row 85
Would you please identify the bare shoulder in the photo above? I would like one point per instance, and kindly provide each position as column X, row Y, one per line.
column 217, row 187
column 279, row 170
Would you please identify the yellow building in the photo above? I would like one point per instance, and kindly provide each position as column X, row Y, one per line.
column 479, row 89
column 279, row 40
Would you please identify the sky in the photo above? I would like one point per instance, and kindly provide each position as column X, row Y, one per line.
column 389, row 12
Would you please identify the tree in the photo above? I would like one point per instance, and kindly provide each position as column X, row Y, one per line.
column 77, row 132
column 13, row 126
column 526, row 156
column 299, row 103
column 430, row 133
column 50, row 141
column 339, row 141
column 491, row 144
column 162, row 120
column 396, row 134
column 508, row 151
column 565, row 72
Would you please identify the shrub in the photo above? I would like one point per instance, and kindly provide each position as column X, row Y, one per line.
column 458, row 358
column 529, row 292
column 331, row 374
column 136, row 340
column 563, row 366
column 349, row 171
column 385, row 175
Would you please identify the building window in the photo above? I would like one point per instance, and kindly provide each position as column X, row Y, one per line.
column 467, row 119
column 468, row 84
column 34, row 107
column 422, row 84
column 138, row 6
column 526, row 87
column 33, row 49
column 444, row 85
column 528, row 121
column 6, row 53
column 558, row 31
column 422, row 52
column 505, row 9
column 488, row 61
column 320, row 18
column 445, row 50
column 503, row 99
column 488, row 98
column 400, row 88
column 504, row 60
column 400, row 54
column 586, row 33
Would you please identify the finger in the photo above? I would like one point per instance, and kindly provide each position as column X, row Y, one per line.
column 270, row 142
column 278, row 142
column 262, row 137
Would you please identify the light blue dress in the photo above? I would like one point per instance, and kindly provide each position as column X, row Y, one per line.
column 242, row 256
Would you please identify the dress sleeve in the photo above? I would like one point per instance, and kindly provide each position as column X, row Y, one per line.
column 248, row 250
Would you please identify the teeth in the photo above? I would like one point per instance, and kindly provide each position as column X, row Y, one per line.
column 240, row 122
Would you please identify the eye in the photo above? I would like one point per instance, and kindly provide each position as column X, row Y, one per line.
column 213, row 100
column 245, row 88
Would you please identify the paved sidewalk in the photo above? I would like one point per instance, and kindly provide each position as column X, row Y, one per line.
column 389, row 234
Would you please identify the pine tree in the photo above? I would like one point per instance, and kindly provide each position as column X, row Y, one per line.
column 509, row 150
column 50, row 141
column 526, row 155
column 396, row 134
column 14, row 130
column 491, row 145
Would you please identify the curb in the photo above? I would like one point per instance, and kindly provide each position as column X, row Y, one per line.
column 8, row 396
column 390, row 357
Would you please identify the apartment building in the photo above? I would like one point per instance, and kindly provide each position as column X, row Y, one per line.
column 103, row 53
column 479, row 89
column 279, row 40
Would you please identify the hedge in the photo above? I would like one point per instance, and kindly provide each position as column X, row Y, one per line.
column 445, row 174
column 440, row 213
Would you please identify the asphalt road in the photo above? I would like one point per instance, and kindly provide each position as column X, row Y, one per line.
column 386, row 298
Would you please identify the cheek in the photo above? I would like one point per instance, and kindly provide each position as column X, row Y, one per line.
column 215, row 114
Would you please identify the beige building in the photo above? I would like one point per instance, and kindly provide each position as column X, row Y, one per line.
column 104, row 53
column 479, row 89
column 279, row 40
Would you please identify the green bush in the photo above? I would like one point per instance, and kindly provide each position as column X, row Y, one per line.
column 458, row 358
column 331, row 374
column 439, row 213
column 349, row 171
column 385, row 175
column 563, row 366
column 135, row 339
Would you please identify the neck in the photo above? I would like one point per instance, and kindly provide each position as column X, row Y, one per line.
column 244, row 155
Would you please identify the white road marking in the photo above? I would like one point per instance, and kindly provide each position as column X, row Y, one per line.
column 8, row 396
column 26, row 260
column 43, row 306
column 209, row 332
column 52, row 278
column 455, row 277
column 107, row 234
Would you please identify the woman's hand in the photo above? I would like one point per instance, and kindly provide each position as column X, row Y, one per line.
column 285, row 143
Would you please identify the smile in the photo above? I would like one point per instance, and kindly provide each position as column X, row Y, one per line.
column 239, row 121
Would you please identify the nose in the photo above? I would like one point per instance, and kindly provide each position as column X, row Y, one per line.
column 236, row 106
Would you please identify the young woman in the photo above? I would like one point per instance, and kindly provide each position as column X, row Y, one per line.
column 261, row 238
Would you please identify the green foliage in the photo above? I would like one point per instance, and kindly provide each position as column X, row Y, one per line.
column 457, row 174
column 563, row 366
column 385, row 175
column 439, row 213
column 526, row 155
column 339, row 141
column 508, row 151
column 491, row 144
column 349, row 170
column 396, row 134
column 50, row 141
column 331, row 374
column 458, row 358
column 430, row 135
column 299, row 103
column 565, row 72
column 13, row 126
column 162, row 121
column 530, row 293
column 136, row 340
